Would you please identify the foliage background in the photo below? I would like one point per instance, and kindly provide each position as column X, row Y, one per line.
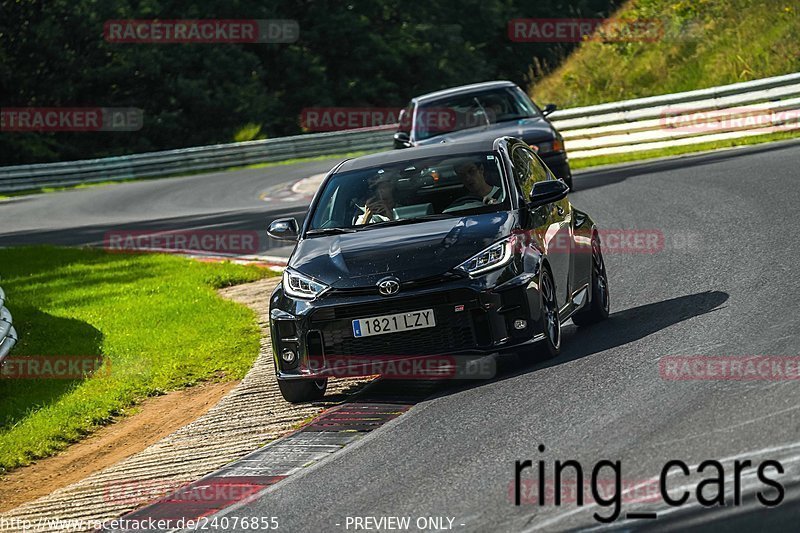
column 705, row 43
column 352, row 53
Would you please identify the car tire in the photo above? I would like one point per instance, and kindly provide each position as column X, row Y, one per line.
column 302, row 390
column 550, row 321
column 568, row 181
column 600, row 305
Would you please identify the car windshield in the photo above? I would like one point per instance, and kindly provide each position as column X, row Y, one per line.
column 410, row 191
column 472, row 110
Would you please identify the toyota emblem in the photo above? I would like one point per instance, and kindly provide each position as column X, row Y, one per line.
column 388, row 286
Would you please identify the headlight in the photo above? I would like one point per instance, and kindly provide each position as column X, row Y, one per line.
column 298, row 285
column 495, row 256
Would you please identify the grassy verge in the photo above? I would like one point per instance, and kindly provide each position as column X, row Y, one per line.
column 611, row 159
column 295, row 161
column 702, row 43
column 155, row 320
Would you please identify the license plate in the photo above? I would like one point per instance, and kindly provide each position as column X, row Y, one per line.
column 381, row 325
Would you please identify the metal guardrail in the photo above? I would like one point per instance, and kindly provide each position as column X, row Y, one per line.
column 25, row 177
column 719, row 113
column 631, row 125
column 8, row 336
column 678, row 98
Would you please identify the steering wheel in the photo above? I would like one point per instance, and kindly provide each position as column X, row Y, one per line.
column 465, row 200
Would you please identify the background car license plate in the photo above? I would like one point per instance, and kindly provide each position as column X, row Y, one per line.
column 380, row 325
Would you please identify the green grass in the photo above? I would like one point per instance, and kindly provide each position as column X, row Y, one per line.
column 42, row 190
column 154, row 319
column 705, row 43
column 611, row 159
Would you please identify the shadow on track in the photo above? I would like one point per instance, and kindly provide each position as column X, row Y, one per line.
column 621, row 328
column 632, row 324
column 244, row 220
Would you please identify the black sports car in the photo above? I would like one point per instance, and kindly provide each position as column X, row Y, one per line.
column 463, row 249
column 483, row 111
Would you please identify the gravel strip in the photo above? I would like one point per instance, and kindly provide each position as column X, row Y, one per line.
column 251, row 415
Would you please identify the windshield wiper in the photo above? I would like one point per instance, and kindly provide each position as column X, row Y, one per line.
column 401, row 221
column 515, row 117
column 330, row 231
column 435, row 216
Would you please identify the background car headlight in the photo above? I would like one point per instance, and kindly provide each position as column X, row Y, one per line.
column 556, row 145
column 300, row 286
column 495, row 256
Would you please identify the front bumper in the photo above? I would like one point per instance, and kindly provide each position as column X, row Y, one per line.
column 474, row 318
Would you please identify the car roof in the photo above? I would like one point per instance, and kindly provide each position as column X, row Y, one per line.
column 465, row 89
column 422, row 152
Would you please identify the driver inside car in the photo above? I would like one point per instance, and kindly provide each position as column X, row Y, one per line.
column 380, row 206
column 474, row 181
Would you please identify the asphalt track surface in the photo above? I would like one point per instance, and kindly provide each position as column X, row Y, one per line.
column 221, row 201
column 723, row 285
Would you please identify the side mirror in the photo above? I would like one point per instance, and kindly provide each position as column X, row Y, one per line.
column 545, row 192
column 284, row 229
column 402, row 140
column 549, row 108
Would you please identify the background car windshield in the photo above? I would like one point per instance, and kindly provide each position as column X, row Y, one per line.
column 453, row 185
column 470, row 111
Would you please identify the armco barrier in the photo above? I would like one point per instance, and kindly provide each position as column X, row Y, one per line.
column 25, row 177
column 718, row 113
column 8, row 336
column 631, row 125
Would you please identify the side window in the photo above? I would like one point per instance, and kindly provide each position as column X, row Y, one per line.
column 527, row 169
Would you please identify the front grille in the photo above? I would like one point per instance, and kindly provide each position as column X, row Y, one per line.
column 386, row 306
column 418, row 284
column 453, row 331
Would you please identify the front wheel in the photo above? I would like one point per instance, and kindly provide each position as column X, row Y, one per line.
column 598, row 308
column 302, row 390
column 550, row 320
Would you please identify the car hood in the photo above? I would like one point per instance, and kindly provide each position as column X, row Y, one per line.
column 530, row 130
column 409, row 252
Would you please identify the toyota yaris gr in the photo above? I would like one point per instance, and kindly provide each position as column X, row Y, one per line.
column 464, row 250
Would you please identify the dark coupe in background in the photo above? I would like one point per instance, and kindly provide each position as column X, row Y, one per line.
column 483, row 111
column 465, row 249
